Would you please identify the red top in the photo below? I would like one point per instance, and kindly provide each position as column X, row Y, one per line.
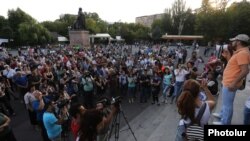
column 74, row 127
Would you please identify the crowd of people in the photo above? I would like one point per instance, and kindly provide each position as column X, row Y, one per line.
column 61, row 89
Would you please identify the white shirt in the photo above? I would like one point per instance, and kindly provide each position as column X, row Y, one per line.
column 29, row 98
column 9, row 73
column 180, row 75
column 217, row 47
column 180, row 55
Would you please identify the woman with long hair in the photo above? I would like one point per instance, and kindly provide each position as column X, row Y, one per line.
column 189, row 101
column 94, row 123
column 88, row 126
column 189, row 105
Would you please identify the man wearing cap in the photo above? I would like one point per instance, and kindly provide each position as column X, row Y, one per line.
column 234, row 73
column 52, row 124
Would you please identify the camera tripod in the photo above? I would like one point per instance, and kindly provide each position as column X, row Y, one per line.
column 116, row 124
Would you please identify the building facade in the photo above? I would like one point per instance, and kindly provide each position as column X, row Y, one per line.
column 148, row 20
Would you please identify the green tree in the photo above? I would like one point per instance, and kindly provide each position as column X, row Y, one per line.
column 69, row 19
column 179, row 15
column 91, row 25
column 141, row 32
column 3, row 22
column 5, row 30
column 33, row 34
column 15, row 18
column 57, row 26
column 167, row 22
column 220, row 23
column 156, row 29
column 204, row 24
column 189, row 28
column 239, row 14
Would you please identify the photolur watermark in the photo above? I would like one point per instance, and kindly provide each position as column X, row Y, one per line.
column 235, row 132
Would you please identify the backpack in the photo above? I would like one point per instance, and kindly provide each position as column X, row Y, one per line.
column 194, row 132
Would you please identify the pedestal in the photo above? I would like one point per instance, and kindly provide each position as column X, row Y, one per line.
column 79, row 38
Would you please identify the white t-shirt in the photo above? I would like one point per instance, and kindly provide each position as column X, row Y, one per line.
column 217, row 47
column 9, row 73
column 29, row 98
column 180, row 76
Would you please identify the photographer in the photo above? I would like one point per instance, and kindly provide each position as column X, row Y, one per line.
column 63, row 104
column 52, row 123
column 103, row 106
column 93, row 123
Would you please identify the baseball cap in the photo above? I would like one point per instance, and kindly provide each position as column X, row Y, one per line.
column 240, row 37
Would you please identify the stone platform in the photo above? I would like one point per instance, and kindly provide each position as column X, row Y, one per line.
column 79, row 37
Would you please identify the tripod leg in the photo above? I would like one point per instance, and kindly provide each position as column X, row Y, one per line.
column 126, row 120
column 112, row 126
column 117, row 127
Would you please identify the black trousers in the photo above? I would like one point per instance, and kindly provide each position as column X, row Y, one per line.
column 89, row 99
column 32, row 116
column 155, row 94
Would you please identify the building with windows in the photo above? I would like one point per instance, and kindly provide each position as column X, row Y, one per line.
column 148, row 20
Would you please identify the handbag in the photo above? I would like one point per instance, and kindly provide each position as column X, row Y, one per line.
column 194, row 132
column 243, row 85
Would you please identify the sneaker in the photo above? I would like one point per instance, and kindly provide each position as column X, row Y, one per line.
column 217, row 115
column 152, row 103
column 217, row 123
column 166, row 102
column 158, row 104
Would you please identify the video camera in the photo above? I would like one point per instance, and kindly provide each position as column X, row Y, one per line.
column 107, row 102
column 116, row 100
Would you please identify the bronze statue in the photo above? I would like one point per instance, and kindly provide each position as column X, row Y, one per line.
column 80, row 21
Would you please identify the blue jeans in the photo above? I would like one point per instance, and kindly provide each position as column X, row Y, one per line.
column 165, row 90
column 177, row 90
column 227, row 105
column 246, row 116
